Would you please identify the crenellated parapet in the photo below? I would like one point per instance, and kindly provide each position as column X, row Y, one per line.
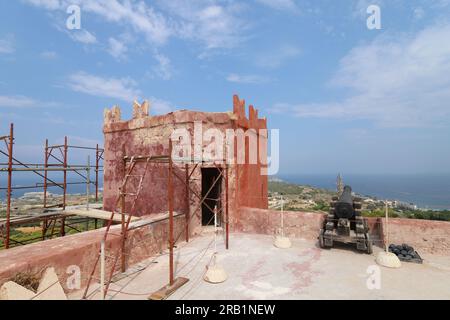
column 112, row 116
column 253, row 121
column 141, row 117
column 141, row 110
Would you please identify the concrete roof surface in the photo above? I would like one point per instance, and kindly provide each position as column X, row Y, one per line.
column 258, row 270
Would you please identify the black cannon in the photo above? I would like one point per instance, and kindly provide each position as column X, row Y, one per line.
column 345, row 224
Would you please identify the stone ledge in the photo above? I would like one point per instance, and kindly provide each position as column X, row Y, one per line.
column 82, row 249
column 424, row 235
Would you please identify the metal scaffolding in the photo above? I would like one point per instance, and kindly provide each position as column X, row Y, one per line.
column 59, row 164
column 130, row 163
column 56, row 160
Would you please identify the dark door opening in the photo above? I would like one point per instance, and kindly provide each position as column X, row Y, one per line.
column 209, row 175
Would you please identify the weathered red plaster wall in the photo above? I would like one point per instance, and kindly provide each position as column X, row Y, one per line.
column 424, row 235
column 305, row 225
column 252, row 185
column 136, row 141
column 152, row 138
column 81, row 250
column 149, row 135
column 146, row 135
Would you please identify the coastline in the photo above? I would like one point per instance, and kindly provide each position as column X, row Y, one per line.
column 425, row 191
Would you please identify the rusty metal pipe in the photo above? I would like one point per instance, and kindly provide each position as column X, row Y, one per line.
column 170, row 203
column 8, row 206
column 65, row 172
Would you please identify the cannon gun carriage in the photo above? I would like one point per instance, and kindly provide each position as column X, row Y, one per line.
column 345, row 224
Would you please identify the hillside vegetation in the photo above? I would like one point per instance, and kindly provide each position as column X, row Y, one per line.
column 307, row 198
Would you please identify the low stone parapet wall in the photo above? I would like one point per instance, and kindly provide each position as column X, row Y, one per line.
column 424, row 235
column 149, row 237
column 80, row 251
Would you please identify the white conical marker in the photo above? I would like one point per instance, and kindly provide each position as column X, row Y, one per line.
column 386, row 258
column 215, row 273
column 282, row 242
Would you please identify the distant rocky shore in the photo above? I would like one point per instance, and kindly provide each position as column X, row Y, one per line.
column 32, row 202
column 296, row 197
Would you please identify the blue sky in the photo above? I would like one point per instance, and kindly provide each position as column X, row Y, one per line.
column 346, row 98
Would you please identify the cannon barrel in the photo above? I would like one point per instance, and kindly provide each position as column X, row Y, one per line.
column 344, row 206
column 345, row 224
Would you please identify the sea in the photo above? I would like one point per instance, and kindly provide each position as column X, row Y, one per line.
column 427, row 191
column 22, row 180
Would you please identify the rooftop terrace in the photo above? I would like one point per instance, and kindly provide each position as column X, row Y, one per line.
column 258, row 270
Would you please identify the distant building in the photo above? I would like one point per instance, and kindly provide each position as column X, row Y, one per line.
column 404, row 205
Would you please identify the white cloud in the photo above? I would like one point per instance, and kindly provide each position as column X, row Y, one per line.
column 124, row 89
column 141, row 17
column 47, row 4
column 159, row 106
column 17, row 102
column 397, row 81
column 288, row 5
column 360, row 7
column 117, row 48
column 82, row 36
column 118, row 88
column 7, row 44
column 215, row 24
column 50, row 55
column 164, row 68
column 275, row 58
column 134, row 14
column 247, row 79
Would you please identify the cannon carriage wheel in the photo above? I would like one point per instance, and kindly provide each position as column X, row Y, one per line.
column 369, row 244
column 321, row 240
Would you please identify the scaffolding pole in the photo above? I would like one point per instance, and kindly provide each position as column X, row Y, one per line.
column 45, row 172
column 170, row 203
column 65, row 173
column 121, row 206
column 227, row 230
column 8, row 201
column 97, row 160
column 188, row 202
column 14, row 165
